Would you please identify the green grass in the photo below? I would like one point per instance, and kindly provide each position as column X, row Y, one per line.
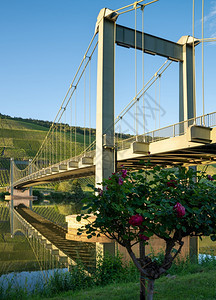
column 187, row 287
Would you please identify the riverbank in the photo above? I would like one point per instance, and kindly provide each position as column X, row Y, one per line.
column 114, row 280
column 197, row 286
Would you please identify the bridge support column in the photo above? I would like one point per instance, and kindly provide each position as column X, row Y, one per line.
column 187, row 100
column 105, row 154
column 105, row 248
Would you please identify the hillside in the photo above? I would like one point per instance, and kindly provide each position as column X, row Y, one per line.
column 22, row 138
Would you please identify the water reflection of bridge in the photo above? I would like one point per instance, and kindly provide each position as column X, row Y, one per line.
column 49, row 243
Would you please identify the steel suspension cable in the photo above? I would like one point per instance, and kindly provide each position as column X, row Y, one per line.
column 60, row 139
column 79, row 78
column 75, row 122
column 114, row 36
column 143, row 77
column 135, row 42
column 89, row 102
column 50, row 149
column 156, row 75
column 140, row 93
column 159, row 97
column 131, row 9
column 84, row 145
column 132, row 102
column 65, row 120
column 71, row 126
column 203, row 101
column 194, row 88
column 59, row 114
column 53, row 146
column 56, row 142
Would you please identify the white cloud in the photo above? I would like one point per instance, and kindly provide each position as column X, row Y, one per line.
column 213, row 35
column 212, row 14
column 210, row 21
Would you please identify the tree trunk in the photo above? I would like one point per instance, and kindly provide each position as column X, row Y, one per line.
column 150, row 289
column 142, row 278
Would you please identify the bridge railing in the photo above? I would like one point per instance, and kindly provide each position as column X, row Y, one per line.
column 27, row 174
column 177, row 129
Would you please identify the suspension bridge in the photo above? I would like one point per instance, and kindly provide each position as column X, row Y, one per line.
column 62, row 156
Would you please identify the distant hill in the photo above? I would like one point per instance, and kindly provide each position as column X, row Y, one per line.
column 22, row 138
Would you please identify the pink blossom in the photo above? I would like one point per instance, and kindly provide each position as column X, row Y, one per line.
column 120, row 181
column 136, row 220
column 209, row 177
column 124, row 173
column 172, row 183
column 179, row 209
column 143, row 237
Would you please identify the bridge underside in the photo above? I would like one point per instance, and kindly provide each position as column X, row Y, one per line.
column 205, row 154
column 181, row 150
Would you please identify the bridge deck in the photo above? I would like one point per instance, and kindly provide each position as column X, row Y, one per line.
column 84, row 252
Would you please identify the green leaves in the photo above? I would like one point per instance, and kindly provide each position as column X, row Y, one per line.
column 146, row 193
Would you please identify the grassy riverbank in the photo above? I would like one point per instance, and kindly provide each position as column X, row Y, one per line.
column 112, row 280
column 197, row 286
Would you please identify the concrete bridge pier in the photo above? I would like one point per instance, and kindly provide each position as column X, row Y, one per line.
column 16, row 198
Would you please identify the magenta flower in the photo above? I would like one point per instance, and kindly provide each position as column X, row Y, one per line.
column 179, row 209
column 172, row 183
column 209, row 177
column 136, row 220
column 124, row 173
column 143, row 237
column 120, row 181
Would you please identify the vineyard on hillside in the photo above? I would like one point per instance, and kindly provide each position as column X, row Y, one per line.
column 22, row 138
column 51, row 214
column 4, row 214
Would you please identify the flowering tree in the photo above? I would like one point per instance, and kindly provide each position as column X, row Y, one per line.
column 131, row 207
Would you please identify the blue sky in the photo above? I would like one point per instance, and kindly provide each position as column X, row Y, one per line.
column 42, row 43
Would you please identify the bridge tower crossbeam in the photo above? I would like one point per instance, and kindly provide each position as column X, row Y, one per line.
column 110, row 33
